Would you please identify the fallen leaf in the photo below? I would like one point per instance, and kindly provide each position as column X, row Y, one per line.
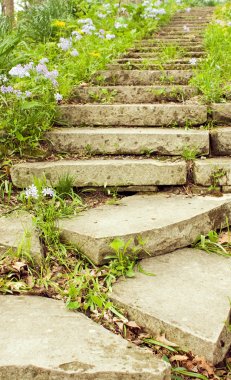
column 224, row 238
column 179, row 358
column 164, row 340
column 133, row 325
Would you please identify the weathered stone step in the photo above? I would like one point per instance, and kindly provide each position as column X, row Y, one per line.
column 139, row 141
column 221, row 141
column 182, row 22
column 137, row 64
column 182, row 43
column 160, row 48
column 65, row 345
column 133, row 114
column 176, row 301
column 132, row 94
column 141, row 78
column 164, row 222
column 181, row 32
column 98, row 172
column 181, row 60
column 180, row 28
column 153, row 55
column 221, row 113
column 213, row 171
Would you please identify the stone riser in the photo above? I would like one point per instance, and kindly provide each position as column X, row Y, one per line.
column 159, row 48
column 190, row 54
column 134, row 64
column 132, row 94
column 98, row 173
column 138, row 141
column 141, row 78
column 133, row 114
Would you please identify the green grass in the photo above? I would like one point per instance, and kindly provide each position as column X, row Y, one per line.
column 212, row 77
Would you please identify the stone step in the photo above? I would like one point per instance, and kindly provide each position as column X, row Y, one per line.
column 153, row 55
column 141, row 78
column 180, row 28
column 41, row 339
column 163, row 221
column 183, row 43
column 213, row 171
column 167, row 142
column 220, row 141
column 18, row 234
column 102, row 172
column 132, row 94
column 176, row 301
column 137, row 64
column 133, row 114
column 181, row 60
column 181, row 32
column 221, row 113
column 160, row 48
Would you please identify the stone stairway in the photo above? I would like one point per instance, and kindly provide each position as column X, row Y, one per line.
column 132, row 126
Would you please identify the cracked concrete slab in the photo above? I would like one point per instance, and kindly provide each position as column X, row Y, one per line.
column 17, row 232
column 41, row 339
column 188, row 299
column 164, row 222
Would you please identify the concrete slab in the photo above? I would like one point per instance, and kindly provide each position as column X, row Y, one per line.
column 188, row 299
column 165, row 222
column 132, row 94
column 18, row 233
column 133, row 114
column 41, row 339
column 194, row 54
column 220, row 141
column 101, row 172
column 135, row 64
column 138, row 141
column 142, row 77
column 212, row 171
column 221, row 112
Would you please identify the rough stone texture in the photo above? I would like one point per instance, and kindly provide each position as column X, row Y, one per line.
column 205, row 171
column 132, row 94
column 220, row 141
column 133, row 114
column 165, row 222
column 123, row 172
column 128, row 140
column 194, row 54
column 158, row 48
column 135, row 64
column 221, row 112
column 195, row 318
column 41, row 339
column 142, row 77
column 226, row 189
column 17, row 232
column 182, row 42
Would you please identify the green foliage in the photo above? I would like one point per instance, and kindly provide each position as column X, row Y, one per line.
column 212, row 76
column 36, row 36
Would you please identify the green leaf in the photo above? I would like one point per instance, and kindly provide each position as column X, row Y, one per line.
column 73, row 305
column 117, row 244
column 157, row 343
column 183, row 371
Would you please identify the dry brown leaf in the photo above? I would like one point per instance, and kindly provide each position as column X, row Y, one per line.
column 204, row 365
column 164, row 340
column 18, row 265
column 224, row 238
column 179, row 358
column 133, row 324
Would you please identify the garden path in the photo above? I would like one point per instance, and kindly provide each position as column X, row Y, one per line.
column 140, row 123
